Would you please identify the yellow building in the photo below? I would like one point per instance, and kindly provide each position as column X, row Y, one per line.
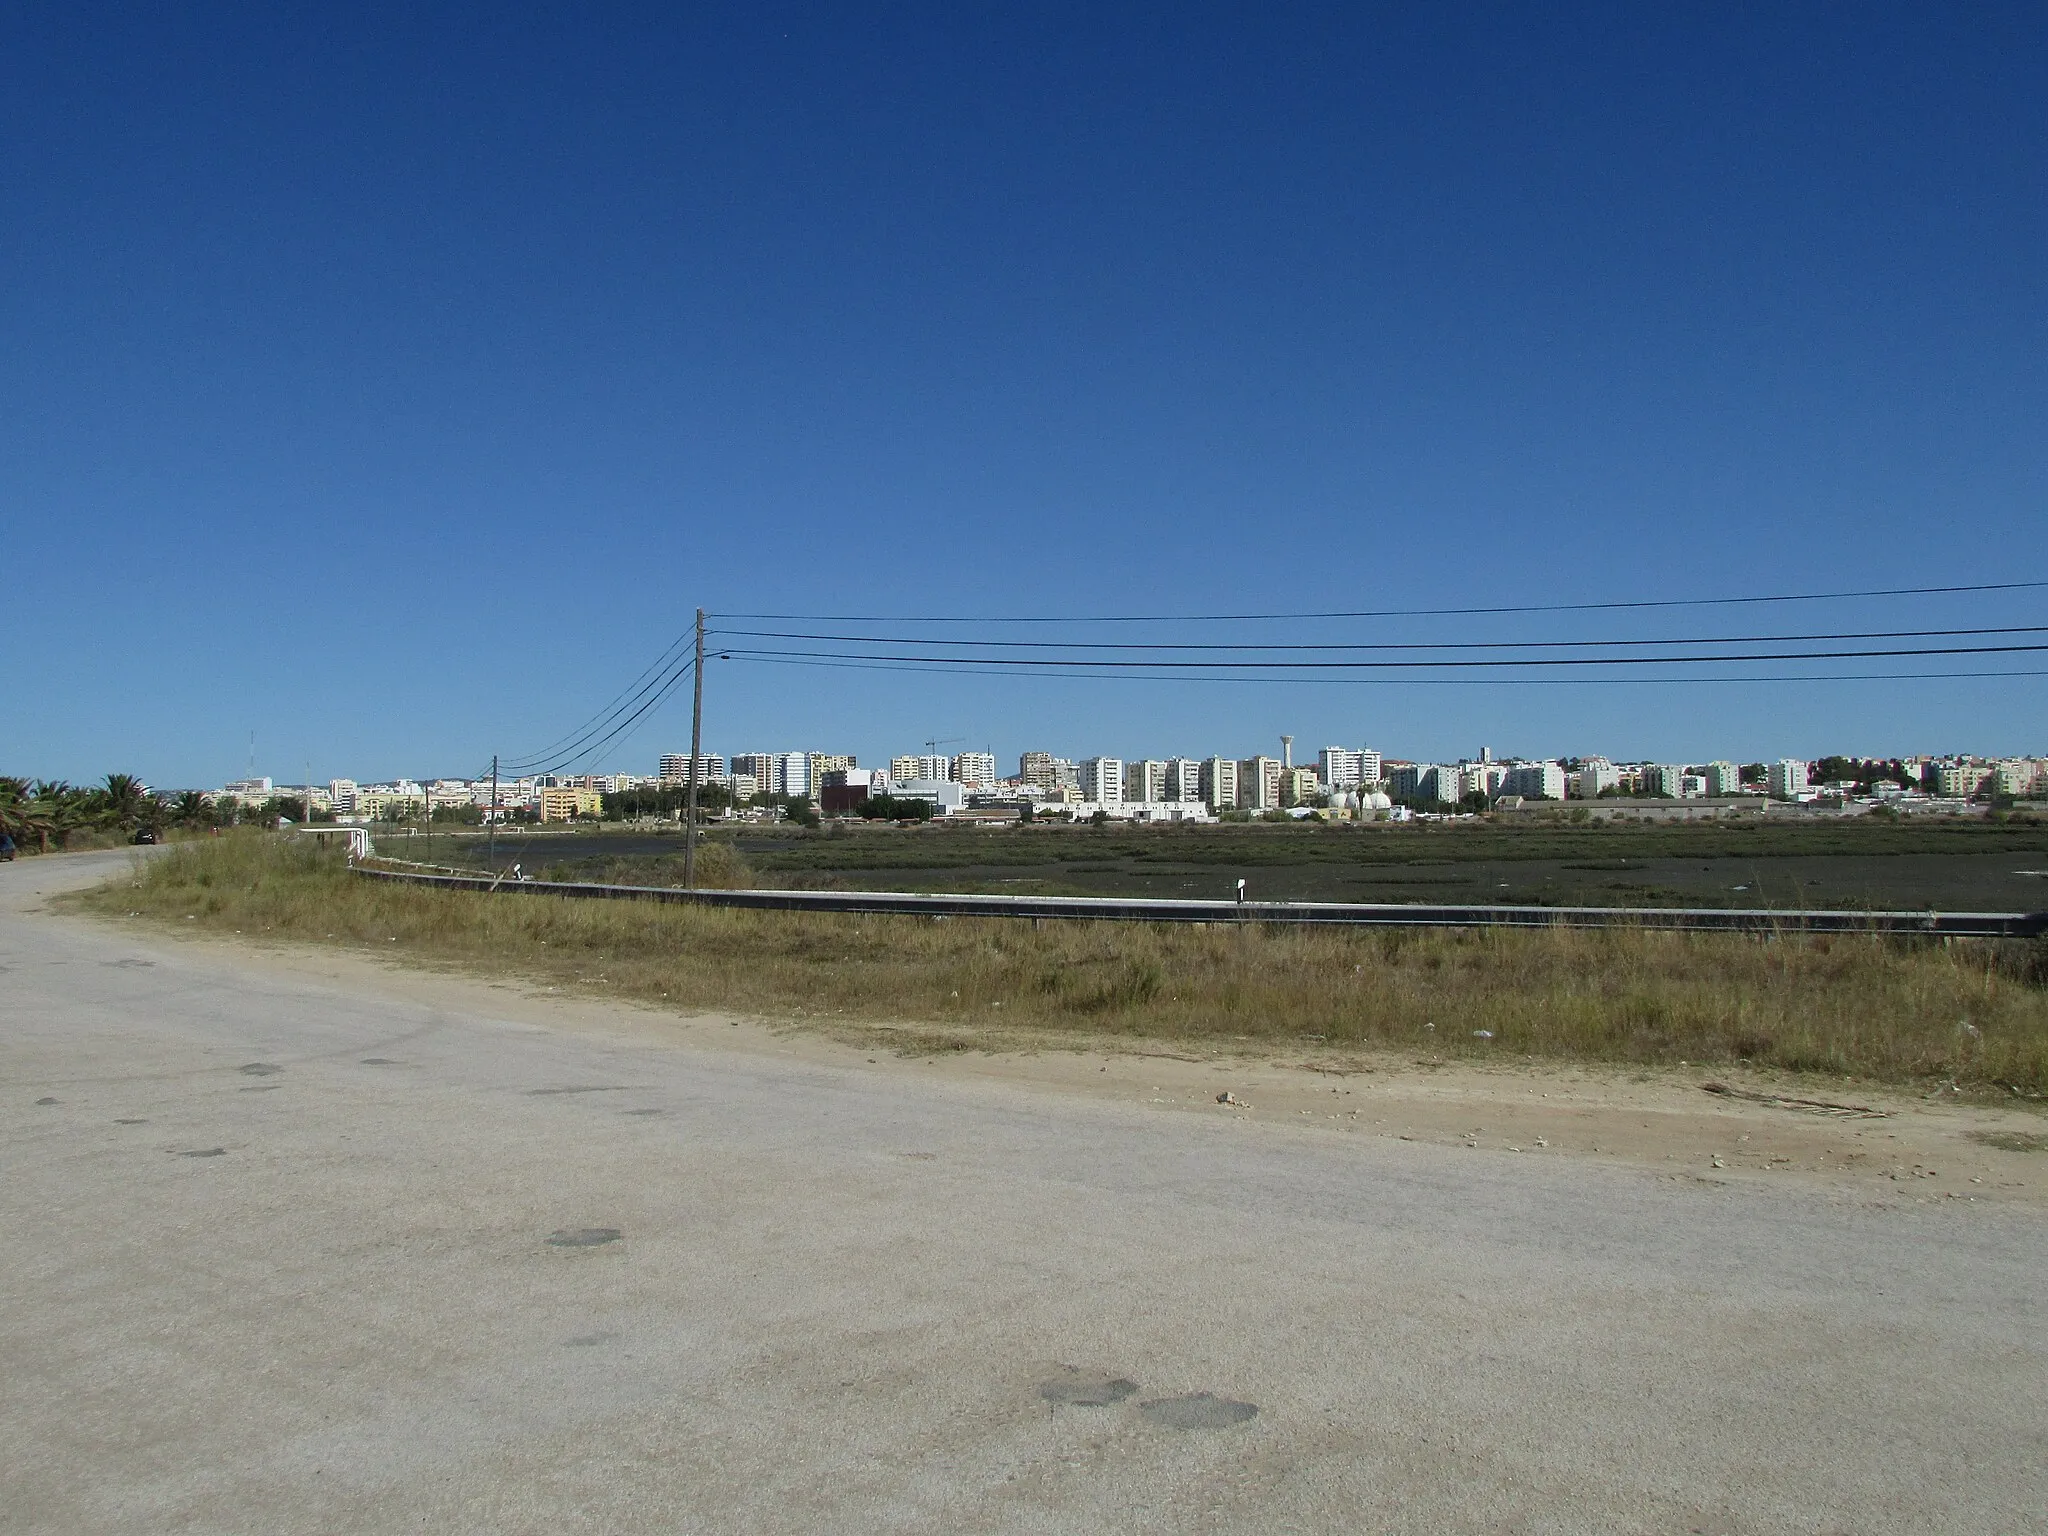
column 568, row 804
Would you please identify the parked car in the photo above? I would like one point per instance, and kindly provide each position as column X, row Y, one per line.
column 146, row 835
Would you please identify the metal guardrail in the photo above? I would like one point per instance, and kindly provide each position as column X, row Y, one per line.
column 1975, row 925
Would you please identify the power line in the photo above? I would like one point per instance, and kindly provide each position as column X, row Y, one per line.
column 617, row 731
column 931, row 669
column 988, row 663
column 1390, row 613
column 1419, row 645
column 610, row 710
column 658, row 687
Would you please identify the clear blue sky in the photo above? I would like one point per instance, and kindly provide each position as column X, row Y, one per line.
column 393, row 383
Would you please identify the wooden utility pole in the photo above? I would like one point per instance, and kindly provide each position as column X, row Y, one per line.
column 492, row 856
column 696, row 758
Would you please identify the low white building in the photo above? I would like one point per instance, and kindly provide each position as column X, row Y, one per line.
column 946, row 797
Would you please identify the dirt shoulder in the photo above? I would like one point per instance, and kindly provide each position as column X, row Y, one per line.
column 1870, row 1144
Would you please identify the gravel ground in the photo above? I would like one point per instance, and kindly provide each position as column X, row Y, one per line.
column 293, row 1254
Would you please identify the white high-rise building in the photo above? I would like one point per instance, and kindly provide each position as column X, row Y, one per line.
column 1145, row 781
column 1786, row 778
column 1183, row 779
column 792, row 773
column 1102, row 780
column 977, row 770
column 1217, row 778
column 1340, row 767
column 1536, row 781
column 675, row 768
column 1723, row 779
column 1258, row 784
column 921, row 767
column 1661, row 779
column 1594, row 775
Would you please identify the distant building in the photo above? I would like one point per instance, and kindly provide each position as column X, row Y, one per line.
column 1340, row 767
column 1217, row 779
column 1036, row 768
column 1595, row 775
column 1723, row 779
column 1102, row 780
column 1258, row 783
column 1424, row 782
column 1300, row 786
column 1535, row 781
column 1661, row 780
column 946, row 797
column 977, row 770
column 2014, row 777
column 1183, row 780
column 1786, row 779
column 822, row 763
column 563, row 804
column 675, row 767
column 1145, row 781
column 921, row 766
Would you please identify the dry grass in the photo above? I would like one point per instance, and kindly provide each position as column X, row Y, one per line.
column 1896, row 1011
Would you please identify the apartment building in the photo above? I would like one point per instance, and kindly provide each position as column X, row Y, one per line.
column 1723, row 779
column 1258, row 783
column 1661, row 780
column 1183, row 780
column 1217, row 781
column 1954, row 781
column 1102, row 780
column 2014, row 776
column 920, row 768
column 675, row 768
column 822, row 763
column 1300, row 786
column 1535, row 781
column 1145, row 781
column 977, row 770
column 1035, row 768
column 566, row 804
column 1340, row 767
column 1786, row 779
column 1595, row 774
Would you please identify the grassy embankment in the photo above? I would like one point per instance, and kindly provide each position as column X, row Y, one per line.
column 1906, row 1012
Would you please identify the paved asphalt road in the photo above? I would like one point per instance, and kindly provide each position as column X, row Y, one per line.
column 283, row 1259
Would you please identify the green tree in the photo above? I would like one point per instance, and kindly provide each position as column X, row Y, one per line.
column 23, row 815
column 192, row 809
column 121, row 802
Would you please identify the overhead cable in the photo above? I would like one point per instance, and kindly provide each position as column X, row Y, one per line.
column 1410, row 645
column 1389, row 613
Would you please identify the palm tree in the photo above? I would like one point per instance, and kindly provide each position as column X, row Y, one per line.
column 122, row 801
column 23, row 815
column 191, row 809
